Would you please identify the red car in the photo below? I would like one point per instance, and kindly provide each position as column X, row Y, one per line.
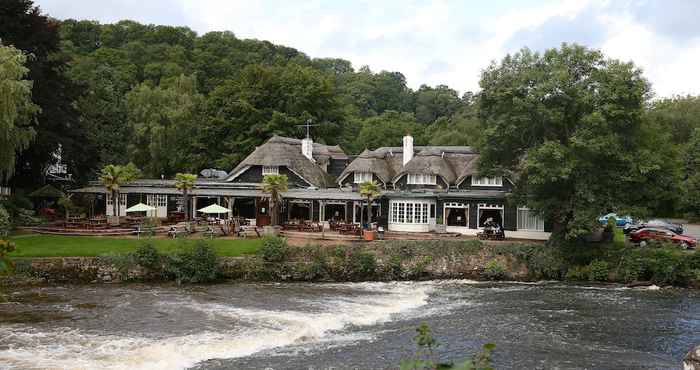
column 646, row 235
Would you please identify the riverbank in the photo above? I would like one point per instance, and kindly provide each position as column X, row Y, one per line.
column 276, row 261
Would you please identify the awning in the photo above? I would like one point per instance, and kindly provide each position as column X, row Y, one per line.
column 214, row 208
column 140, row 208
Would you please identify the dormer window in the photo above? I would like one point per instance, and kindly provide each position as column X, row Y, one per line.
column 361, row 177
column 270, row 170
column 421, row 179
column 487, row 181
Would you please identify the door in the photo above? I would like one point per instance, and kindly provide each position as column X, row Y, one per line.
column 262, row 214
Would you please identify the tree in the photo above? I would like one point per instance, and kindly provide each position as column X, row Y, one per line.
column 163, row 121
column 433, row 103
column 369, row 190
column 679, row 115
column 24, row 27
column 113, row 177
column 275, row 185
column 567, row 125
column 16, row 109
column 386, row 129
column 691, row 185
column 185, row 182
column 270, row 100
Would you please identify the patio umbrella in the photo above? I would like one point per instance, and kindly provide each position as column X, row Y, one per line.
column 214, row 209
column 140, row 208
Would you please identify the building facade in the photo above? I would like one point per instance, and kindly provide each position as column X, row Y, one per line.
column 421, row 187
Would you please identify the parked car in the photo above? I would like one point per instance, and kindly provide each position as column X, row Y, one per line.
column 654, row 223
column 649, row 235
column 619, row 220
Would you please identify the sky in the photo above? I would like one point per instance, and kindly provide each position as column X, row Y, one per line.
column 438, row 42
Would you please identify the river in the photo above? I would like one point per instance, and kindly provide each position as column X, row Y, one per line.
column 364, row 325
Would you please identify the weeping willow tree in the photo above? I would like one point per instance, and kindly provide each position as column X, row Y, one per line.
column 16, row 109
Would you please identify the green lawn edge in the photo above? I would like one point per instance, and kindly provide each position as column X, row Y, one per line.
column 87, row 246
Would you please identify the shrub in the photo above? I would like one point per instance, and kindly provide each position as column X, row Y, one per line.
column 274, row 249
column 630, row 268
column 6, row 265
column 546, row 262
column 363, row 265
column 148, row 256
column 494, row 270
column 426, row 356
column 598, row 270
column 578, row 273
column 198, row 264
column 5, row 222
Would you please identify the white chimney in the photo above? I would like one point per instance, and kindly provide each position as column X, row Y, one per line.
column 407, row 148
column 307, row 148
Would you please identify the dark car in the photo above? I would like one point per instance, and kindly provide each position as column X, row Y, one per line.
column 656, row 224
column 649, row 235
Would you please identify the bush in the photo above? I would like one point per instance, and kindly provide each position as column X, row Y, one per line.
column 147, row 256
column 198, row 264
column 630, row 268
column 274, row 249
column 598, row 270
column 546, row 262
column 5, row 222
column 578, row 273
column 494, row 270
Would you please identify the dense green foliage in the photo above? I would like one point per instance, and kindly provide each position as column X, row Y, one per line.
column 274, row 249
column 194, row 264
column 16, row 108
column 570, row 123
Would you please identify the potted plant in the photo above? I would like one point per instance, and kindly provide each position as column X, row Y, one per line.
column 369, row 190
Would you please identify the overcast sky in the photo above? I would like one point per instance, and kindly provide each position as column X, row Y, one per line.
column 438, row 42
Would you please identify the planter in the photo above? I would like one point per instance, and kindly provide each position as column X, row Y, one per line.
column 441, row 228
column 271, row 230
column 368, row 235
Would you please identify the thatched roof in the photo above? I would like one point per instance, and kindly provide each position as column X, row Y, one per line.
column 370, row 161
column 283, row 151
column 452, row 163
column 47, row 191
column 430, row 161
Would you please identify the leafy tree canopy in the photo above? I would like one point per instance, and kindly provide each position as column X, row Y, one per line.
column 568, row 124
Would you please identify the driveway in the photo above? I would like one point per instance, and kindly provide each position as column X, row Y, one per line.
column 692, row 230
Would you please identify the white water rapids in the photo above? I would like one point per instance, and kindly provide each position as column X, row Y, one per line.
column 25, row 347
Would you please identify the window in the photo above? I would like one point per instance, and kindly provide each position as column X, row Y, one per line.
column 157, row 200
column 361, row 177
column 487, row 181
column 527, row 220
column 421, row 179
column 410, row 212
column 270, row 170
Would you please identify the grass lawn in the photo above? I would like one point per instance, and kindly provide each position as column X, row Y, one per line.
column 33, row 245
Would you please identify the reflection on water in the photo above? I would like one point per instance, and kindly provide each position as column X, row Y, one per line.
column 292, row 326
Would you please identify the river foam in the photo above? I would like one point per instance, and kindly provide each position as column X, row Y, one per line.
column 264, row 329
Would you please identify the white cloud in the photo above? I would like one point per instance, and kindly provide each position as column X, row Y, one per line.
column 434, row 42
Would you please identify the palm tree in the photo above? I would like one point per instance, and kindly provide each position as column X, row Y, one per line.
column 274, row 185
column 185, row 182
column 113, row 177
column 369, row 190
